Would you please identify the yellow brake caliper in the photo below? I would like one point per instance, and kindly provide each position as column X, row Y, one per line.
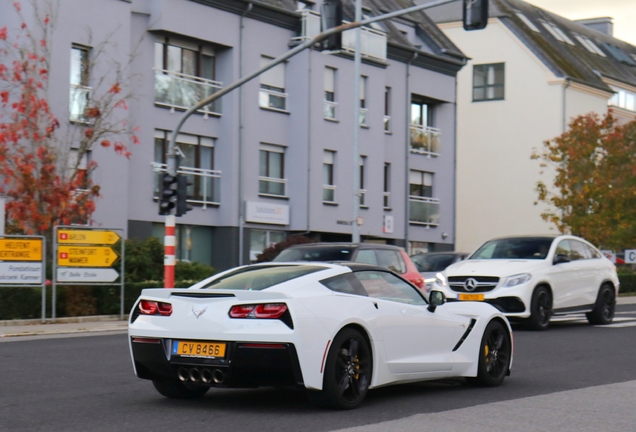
column 356, row 361
column 486, row 351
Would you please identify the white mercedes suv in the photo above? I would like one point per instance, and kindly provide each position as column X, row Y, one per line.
column 535, row 278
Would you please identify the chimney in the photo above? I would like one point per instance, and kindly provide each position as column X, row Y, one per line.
column 603, row 24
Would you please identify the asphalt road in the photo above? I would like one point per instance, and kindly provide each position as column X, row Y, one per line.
column 87, row 384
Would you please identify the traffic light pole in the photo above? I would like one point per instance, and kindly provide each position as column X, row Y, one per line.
column 171, row 154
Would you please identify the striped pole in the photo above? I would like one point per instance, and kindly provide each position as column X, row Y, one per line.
column 169, row 258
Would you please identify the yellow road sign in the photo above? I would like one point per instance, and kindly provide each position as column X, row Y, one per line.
column 71, row 236
column 86, row 256
column 13, row 249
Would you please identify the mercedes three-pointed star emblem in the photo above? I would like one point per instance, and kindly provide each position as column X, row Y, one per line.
column 470, row 284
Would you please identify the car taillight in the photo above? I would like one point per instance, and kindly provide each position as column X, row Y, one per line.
column 267, row 311
column 148, row 307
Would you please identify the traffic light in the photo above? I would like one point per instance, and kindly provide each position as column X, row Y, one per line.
column 475, row 14
column 182, row 194
column 331, row 16
column 167, row 193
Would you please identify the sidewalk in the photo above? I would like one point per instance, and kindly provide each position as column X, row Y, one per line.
column 101, row 324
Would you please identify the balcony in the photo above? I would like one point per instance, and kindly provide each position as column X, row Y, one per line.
column 310, row 26
column 272, row 99
column 206, row 184
column 177, row 90
column 78, row 102
column 272, row 186
column 425, row 140
column 372, row 43
column 329, row 193
column 330, row 110
column 423, row 210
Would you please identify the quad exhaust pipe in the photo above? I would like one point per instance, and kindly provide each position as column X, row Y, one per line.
column 204, row 375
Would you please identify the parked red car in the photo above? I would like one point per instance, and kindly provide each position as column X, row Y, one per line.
column 391, row 257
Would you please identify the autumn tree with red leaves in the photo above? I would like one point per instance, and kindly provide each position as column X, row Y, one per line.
column 593, row 190
column 40, row 158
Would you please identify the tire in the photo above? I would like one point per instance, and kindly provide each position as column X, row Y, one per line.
column 347, row 372
column 540, row 309
column 495, row 352
column 605, row 306
column 174, row 389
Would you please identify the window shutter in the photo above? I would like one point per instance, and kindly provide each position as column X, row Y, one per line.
column 275, row 77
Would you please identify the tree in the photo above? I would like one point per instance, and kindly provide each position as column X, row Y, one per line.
column 272, row 251
column 593, row 192
column 41, row 160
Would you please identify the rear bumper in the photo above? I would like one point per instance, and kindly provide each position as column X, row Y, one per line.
column 245, row 364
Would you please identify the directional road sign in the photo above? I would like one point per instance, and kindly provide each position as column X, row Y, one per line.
column 92, row 237
column 68, row 274
column 13, row 249
column 23, row 273
column 86, row 256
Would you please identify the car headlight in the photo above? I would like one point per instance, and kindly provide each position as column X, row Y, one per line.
column 517, row 279
column 440, row 279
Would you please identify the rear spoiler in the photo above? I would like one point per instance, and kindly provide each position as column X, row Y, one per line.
column 242, row 295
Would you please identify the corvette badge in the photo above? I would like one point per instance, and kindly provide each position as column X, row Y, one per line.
column 198, row 313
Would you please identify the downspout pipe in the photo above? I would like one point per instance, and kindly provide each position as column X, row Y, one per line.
column 241, row 220
column 407, row 153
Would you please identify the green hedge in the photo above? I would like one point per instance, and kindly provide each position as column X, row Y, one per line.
column 628, row 282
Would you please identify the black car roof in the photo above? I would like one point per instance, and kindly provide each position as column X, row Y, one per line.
column 346, row 245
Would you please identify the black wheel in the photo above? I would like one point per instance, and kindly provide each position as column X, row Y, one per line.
column 179, row 390
column 603, row 312
column 495, row 352
column 347, row 372
column 540, row 309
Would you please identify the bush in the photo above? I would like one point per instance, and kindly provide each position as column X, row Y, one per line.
column 628, row 282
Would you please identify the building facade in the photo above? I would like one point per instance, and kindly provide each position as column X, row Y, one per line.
column 530, row 72
column 275, row 157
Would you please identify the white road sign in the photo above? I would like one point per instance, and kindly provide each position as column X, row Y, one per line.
column 67, row 274
column 630, row 256
column 20, row 273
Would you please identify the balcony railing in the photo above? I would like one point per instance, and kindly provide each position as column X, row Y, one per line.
column 272, row 186
column 363, row 116
column 205, row 188
column 330, row 110
column 425, row 140
column 272, row 99
column 387, row 123
column 423, row 210
column 372, row 43
column 310, row 25
column 329, row 193
column 78, row 102
column 177, row 90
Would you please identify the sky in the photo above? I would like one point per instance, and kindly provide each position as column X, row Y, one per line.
column 623, row 13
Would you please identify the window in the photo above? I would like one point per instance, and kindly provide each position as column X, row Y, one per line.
column 366, row 256
column 262, row 239
column 363, row 101
column 387, row 186
column 387, row 109
column 421, row 114
column 527, row 22
column 304, row 5
column 363, row 191
column 330, row 93
column 196, row 155
column 391, row 259
column 272, row 94
column 375, row 284
column 80, row 91
column 589, row 45
column 578, row 251
column 424, row 137
column 488, row 82
column 619, row 54
column 557, row 32
column 329, row 185
column 272, row 170
column 420, row 184
column 623, row 99
column 185, row 74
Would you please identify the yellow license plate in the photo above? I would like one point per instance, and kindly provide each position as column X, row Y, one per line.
column 198, row 349
column 471, row 297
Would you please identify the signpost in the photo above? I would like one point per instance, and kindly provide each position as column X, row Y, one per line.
column 630, row 256
column 84, row 256
column 22, row 264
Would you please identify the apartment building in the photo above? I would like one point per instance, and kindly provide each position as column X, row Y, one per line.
column 275, row 157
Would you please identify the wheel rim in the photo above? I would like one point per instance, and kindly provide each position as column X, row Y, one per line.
column 543, row 308
column 496, row 353
column 352, row 370
column 608, row 304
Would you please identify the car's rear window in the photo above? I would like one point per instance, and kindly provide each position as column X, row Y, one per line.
column 318, row 253
column 260, row 277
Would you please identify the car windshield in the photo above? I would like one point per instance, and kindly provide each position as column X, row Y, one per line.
column 318, row 253
column 433, row 263
column 260, row 277
column 527, row 248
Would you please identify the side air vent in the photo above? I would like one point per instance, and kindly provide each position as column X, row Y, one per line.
column 466, row 333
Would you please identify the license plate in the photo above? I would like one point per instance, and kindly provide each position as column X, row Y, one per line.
column 198, row 349
column 471, row 297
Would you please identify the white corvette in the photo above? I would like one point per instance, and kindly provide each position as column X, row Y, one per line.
column 335, row 330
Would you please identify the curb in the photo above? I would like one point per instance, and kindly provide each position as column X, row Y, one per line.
column 65, row 320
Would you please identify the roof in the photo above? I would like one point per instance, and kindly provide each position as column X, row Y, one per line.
column 569, row 61
column 345, row 245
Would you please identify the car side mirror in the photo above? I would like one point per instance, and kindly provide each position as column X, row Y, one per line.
column 435, row 298
column 560, row 259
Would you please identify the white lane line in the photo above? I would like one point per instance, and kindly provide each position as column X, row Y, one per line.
column 625, row 324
